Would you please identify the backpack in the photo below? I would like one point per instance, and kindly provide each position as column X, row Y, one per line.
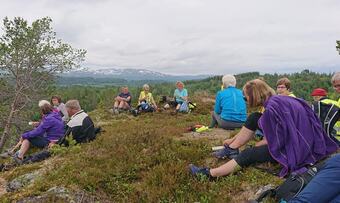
column 293, row 185
column 145, row 107
column 192, row 106
column 328, row 115
column 184, row 108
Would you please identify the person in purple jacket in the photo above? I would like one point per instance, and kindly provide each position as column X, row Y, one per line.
column 47, row 133
column 293, row 135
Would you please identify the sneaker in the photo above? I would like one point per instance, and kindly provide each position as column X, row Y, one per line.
column 226, row 152
column 197, row 171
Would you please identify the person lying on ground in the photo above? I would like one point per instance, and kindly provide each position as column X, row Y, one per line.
column 60, row 107
column 230, row 110
column 293, row 135
column 123, row 100
column 283, row 87
column 146, row 98
column 49, row 131
column 180, row 95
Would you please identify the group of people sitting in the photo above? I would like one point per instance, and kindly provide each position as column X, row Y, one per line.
column 293, row 135
column 146, row 102
column 58, row 120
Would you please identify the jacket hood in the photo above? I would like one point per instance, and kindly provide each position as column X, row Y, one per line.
column 55, row 115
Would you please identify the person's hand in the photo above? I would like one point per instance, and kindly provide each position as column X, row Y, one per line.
column 35, row 124
column 260, row 143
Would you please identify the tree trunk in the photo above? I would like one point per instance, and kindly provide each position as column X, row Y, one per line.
column 7, row 127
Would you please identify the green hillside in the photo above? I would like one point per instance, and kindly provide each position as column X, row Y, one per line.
column 140, row 159
column 144, row 158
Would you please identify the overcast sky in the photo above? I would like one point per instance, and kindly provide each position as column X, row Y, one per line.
column 195, row 36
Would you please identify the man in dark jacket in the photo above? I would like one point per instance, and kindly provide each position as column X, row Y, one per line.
column 80, row 125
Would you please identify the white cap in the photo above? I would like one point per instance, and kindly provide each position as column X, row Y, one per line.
column 43, row 102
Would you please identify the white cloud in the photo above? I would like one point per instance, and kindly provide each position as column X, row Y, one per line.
column 195, row 36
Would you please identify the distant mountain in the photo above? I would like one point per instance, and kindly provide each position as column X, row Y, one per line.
column 130, row 75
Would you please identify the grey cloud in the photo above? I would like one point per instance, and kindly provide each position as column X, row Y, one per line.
column 176, row 36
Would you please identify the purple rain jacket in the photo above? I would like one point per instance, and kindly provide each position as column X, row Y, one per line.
column 51, row 126
column 294, row 134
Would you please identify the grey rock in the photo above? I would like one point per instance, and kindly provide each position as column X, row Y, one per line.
column 22, row 181
column 61, row 194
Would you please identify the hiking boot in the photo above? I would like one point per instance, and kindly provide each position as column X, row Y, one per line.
column 16, row 159
column 200, row 171
column 134, row 112
column 226, row 152
column 6, row 155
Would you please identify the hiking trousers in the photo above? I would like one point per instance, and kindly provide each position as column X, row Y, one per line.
column 228, row 125
column 254, row 155
column 325, row 186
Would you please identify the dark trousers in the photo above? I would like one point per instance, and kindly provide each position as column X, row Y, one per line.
column 254, row 155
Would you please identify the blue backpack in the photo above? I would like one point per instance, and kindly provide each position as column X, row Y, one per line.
column 184, row 108
column 145, row 107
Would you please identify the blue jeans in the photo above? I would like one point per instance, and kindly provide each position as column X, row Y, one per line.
column 325, row 186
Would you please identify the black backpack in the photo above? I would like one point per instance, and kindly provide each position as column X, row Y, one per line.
column 293, row 185
column 328, row 115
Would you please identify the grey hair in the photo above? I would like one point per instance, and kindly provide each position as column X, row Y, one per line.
column 335, row 77
column 146, row 86
column 43, row 103
column 73, row 104
column 228, row 80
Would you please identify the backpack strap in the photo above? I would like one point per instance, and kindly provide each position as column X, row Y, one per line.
column 267, row 193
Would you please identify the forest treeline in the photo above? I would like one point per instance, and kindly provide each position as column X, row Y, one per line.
column 93, row 96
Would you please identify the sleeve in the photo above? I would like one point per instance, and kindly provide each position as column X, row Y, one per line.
column 252, row 121
column 129, row 95
column 151, row 99
column 64, row 111
column 185, row 93
column 88, row 129
column 39, row 131
column 218, row 104
column 140, row 96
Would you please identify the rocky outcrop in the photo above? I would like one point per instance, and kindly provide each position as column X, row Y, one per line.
column 61, row 194
column 22, row 181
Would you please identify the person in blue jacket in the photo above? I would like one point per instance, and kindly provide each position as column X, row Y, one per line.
column 230, row 108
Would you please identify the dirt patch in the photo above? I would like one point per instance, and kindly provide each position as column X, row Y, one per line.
column 208, row 100
column 211, row 134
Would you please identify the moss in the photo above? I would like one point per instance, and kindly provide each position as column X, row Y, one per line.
column 137, row 160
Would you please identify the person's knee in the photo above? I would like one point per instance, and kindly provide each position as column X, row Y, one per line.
column 25, row 142
column 334, row 161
